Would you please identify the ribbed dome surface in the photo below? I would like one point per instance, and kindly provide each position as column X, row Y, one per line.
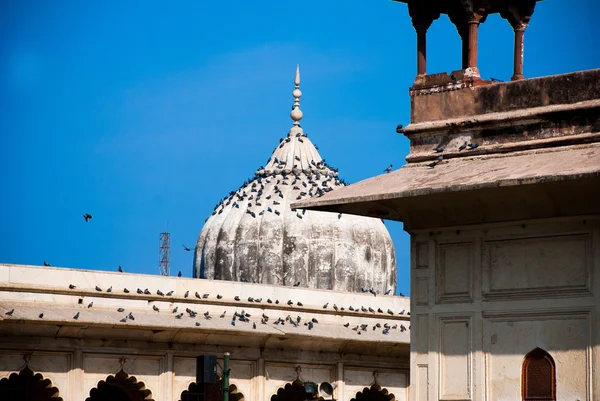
column 253, row 235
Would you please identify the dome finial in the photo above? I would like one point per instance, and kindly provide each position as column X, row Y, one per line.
column 296, row 113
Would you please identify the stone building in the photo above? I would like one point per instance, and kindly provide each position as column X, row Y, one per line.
column 501, row 198
column 253, row 235
column 76, row 335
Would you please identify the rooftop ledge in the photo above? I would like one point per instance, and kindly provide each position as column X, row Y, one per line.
column 476, row 189
column 456, row 99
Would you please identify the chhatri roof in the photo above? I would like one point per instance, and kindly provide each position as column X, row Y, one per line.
column 253, row 234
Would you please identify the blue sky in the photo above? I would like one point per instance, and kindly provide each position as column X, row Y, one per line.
column 145, row 114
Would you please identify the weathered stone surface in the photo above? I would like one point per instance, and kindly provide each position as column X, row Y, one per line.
column 254, row 235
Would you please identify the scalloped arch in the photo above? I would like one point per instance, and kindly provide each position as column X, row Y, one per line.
column 120, row 387
column 28, row 386
column 374, row 393
column 213, row 392
column 293, row 391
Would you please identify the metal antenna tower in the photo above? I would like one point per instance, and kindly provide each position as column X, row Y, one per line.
column 164, row 253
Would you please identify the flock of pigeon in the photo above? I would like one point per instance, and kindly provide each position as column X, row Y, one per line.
column 440, row 149
column 243, row 316
column 283, row 179
column 267, row 192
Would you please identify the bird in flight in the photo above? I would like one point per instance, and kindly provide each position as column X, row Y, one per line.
column 186, row 248
column 87, row 217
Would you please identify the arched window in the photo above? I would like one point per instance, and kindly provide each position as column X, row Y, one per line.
column 211, row 392
column 120, row 387
column 27, row 386
column 293, row 391
column 374, row 393
column 538, row 377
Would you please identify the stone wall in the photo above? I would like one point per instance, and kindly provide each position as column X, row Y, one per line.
column 483, row 297
column 166, row 373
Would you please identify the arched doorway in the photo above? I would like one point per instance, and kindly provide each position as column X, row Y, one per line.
column 538, row 376
column 212, row 392
column 293, row 391
column 120, row 387
column 27, row 386
column 374, row 393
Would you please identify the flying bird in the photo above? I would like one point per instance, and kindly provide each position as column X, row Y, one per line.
column 87, row 217
column 186, row 248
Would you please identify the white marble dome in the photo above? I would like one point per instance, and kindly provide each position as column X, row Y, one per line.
column 253, row 234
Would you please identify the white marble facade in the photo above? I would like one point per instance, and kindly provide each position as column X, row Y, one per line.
column 484, row 297
column 159, row 350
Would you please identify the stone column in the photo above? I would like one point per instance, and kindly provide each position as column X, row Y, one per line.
column 474, row 20
column 519, row 29
column 518, row 18
column 421, row 29
column 422, row 17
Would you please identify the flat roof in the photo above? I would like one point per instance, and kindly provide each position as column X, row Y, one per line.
column 462, row 174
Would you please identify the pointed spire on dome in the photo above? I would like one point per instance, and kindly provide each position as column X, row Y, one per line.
column 296, row 113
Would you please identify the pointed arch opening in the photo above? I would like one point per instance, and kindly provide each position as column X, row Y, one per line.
column 293, row 391
column 374, row 393
column 120, row 387
column 211, row 392
column 28, row 386
column 538, row 376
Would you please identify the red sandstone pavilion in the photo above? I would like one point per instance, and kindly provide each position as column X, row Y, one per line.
column 501, row 197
